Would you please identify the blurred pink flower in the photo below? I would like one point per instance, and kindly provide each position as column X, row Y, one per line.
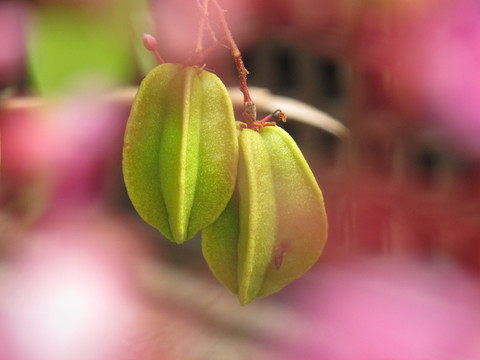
column 67, row 144
column 177, row 24
column 430, row 52
column 387, row 308
column 70, row 288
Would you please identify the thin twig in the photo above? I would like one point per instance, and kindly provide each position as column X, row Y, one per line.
column 250, row 112
column 211, row 31
column 201, row 27
column 267, row 102
column 208, row 50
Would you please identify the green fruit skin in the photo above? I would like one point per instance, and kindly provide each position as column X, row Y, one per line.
column 256, row 206
column 180, row 150
column 258, row 253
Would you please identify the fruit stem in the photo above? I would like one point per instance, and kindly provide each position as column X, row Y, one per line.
column 250, row 111
column 201, row 28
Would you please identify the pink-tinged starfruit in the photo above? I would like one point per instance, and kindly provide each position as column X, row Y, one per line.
column 180, row 150
column 275, row 227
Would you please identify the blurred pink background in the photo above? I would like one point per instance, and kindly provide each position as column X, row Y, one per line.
column 82, row 277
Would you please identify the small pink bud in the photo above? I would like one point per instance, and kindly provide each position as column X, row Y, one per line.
column 150, row 42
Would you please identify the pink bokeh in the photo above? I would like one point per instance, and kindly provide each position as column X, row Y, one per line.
column 430, row 51
column 63, row 147
column 70, row 287
column 387, row 308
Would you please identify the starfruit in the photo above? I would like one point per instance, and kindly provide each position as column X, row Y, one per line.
column 180, row 150
column 275, row 227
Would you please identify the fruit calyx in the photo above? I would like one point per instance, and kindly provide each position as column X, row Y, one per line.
column 258, row 125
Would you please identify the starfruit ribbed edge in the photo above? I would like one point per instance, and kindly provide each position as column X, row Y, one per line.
column 228, row 242
column 180, row 150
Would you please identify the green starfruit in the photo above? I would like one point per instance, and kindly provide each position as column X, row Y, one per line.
column 180, row 150
column 275, row 227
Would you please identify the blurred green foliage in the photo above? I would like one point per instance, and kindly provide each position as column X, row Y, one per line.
column 70, row 47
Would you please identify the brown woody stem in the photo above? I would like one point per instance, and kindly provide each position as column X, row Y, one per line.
column 250, row 112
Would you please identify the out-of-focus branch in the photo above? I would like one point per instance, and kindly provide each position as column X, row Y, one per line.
column 296, row 110
column 250, row 113
column 265, row 101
